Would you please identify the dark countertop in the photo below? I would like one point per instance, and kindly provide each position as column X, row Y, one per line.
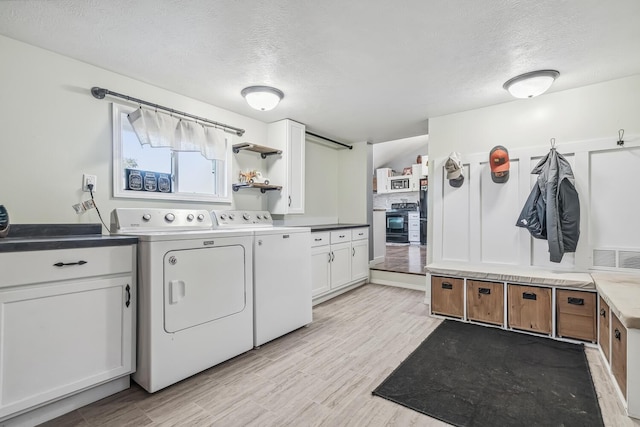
column 40, row 237
column 331, row 227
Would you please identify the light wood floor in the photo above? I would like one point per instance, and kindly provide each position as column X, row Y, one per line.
column 409, row 259
column 322, row 374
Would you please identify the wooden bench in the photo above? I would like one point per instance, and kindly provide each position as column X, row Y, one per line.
column 597, row 308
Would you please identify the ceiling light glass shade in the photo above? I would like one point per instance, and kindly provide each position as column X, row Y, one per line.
column 531, row 84
column 263, row 98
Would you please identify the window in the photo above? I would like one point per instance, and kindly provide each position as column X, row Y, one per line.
column 142, row 171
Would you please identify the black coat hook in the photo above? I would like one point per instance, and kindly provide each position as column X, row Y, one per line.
column 620, row 135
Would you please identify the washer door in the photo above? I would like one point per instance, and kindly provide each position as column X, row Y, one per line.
column 202, row 285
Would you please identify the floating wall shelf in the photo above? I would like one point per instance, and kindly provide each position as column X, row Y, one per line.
column 264, row 151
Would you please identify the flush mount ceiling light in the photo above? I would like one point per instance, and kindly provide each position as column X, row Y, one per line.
column 263, row 98
column 531, row 84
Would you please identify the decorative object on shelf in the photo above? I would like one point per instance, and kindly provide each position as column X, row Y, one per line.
column 407, row 171
column 253, row 177
column 531, row 84
column 264, row 151
column 453, row 165
column 262, row 98
column 499, row 163
column 620, row 135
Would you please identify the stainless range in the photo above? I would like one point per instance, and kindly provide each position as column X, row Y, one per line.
column 398, row 222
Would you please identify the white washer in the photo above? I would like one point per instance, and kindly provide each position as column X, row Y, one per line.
column 195, row 292
column 281, row 272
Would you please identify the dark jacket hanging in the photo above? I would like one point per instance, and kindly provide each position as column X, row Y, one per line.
column 552, row 211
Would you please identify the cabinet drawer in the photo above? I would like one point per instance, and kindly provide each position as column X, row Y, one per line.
column 485, row 302
column 529, row 308
column 619, row 353
column 320, row 239
column 414, row 236
column 340, row 236
column 447, row 296
column 359, row 233
column 605, row 332
column 23, row 268
column 576, row 314
column 414, row 226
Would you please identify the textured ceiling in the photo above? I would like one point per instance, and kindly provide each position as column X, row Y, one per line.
column 371, row 70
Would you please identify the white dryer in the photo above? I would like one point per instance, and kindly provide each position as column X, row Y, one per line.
column 195, row 292
column 281, row 272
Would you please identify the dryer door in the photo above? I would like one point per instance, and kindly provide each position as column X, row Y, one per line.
column 202, row 285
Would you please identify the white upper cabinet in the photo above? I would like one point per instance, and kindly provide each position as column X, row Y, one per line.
column 287, row 168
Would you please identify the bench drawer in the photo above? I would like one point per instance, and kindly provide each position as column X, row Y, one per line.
column 447, row 296
column 619, row 353
column 529, row 308
column 485, row 302
column 576, row 314
column 605, row 331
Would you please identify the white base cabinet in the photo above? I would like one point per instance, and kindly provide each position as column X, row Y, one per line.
column 59, row 337
column 339, row 260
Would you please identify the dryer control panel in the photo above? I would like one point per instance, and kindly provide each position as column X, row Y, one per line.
column 126, row 220
column 241, row 219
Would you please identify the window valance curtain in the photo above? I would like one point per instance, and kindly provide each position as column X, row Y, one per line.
column 163, row 130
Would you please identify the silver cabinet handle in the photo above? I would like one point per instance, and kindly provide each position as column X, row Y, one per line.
column 329, row 253
column 353, row 253
column 289, row 201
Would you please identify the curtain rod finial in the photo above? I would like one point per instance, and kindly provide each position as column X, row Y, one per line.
column 98, row 92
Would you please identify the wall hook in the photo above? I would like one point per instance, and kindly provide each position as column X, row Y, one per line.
column 553, row 143
column 620, row 135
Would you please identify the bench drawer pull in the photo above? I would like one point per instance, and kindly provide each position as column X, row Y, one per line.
column 447, row 285
column 603, row 312
column 575, row 301
column 529, row 295
column 484, row 291
column 617, row 334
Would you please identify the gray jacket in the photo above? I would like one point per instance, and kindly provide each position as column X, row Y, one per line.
column 552, row 210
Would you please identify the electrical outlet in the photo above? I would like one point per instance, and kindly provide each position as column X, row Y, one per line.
column 89, row 179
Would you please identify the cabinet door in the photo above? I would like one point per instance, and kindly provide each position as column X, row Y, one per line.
column 60, row 338
column 359, row 259
column 340, row 265
column 287, row 169
column 320, row 270
column 295, row 179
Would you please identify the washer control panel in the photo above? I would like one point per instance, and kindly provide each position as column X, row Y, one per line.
column 128, row 219
column 241, row 219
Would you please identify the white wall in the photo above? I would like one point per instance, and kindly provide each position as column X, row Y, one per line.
column 353, row 180
column 53, row 131
column 321, row 182
column 593, row 112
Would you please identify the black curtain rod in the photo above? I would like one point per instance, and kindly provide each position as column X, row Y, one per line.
column 350, row 147
column 100, row 93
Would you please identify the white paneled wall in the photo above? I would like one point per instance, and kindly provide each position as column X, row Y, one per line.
column 499, row 209
column 476, row 222
column 455, row 217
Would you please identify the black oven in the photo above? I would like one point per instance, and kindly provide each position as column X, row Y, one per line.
column 398, row 222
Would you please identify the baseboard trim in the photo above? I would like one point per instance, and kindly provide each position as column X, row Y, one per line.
column 416, row 282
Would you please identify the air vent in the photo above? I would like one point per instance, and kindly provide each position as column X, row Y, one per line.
column 629, row 259
column 604, row 258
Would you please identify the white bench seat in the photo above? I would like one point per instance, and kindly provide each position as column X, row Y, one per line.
column 621, row 292
column 513, row 274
